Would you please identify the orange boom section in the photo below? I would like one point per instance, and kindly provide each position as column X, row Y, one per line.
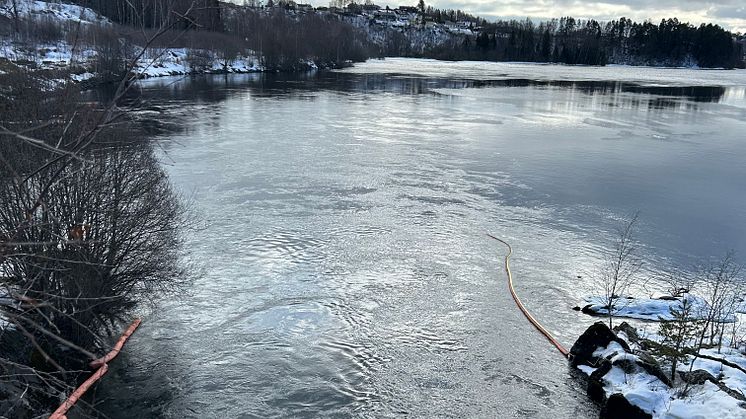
column 118, row 347
column 103, row 366
column 523, row 308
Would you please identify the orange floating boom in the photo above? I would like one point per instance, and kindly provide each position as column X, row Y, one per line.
column 78, row 393
column 523, row 308
column 102, row 365
column 118, row 347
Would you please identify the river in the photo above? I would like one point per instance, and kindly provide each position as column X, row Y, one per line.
column 340, row 249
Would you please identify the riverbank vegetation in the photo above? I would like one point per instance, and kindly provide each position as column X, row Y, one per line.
column 690, row 360
column 100, row 41
column 89, row 231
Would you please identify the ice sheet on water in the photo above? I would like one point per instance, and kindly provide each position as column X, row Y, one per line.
column 485, row 70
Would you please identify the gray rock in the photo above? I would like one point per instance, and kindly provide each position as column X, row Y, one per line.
column 599, row 335
column 651, row 366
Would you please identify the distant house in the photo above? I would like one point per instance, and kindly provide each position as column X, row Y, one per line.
column 386, row 15
column 283, row 4
column 409, row 9
column 304, row 7
column 371, row 8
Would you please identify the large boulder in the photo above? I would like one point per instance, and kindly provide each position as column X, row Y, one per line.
column 618, row 407
column 597, row 336
column 602, row 350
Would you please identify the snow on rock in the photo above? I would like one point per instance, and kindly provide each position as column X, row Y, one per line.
column 82, row 77
column 649, row 308
column 614, row 370
column 642, row 390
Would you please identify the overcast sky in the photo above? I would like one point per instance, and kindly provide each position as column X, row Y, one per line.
column 730, row 14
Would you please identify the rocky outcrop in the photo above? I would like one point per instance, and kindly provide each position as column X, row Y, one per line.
column 597, row 336
column 602, row 350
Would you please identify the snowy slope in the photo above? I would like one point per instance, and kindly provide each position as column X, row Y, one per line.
column 59, row 11
column 81, row 59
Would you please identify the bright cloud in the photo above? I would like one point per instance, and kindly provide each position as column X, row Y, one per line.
column 730, row 14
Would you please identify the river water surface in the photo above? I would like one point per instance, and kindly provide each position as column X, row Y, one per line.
column 342, row 218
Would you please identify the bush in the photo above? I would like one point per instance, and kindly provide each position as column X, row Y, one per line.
column 88, row 230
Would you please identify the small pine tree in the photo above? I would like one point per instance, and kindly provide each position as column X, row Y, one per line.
column 678, row 334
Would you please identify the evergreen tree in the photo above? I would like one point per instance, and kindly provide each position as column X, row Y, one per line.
column 678, row 334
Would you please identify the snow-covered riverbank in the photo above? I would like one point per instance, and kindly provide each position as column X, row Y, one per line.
column 630, row 383
column 656, row 309
column 69, row 59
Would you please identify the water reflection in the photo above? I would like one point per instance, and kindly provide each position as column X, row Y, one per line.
column 207, row 90
column 283, row 85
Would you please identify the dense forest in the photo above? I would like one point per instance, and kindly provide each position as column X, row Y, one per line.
column 571, row 41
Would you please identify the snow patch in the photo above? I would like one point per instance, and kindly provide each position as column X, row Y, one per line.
column 651, row 308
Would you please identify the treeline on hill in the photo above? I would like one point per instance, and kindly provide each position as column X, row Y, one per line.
column 571, row 41
column 282, row 40
column 212, row 29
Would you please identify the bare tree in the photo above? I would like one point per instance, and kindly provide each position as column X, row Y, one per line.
column 678, row 282
column 16, row 16
column 721, row 287
column 620, row 269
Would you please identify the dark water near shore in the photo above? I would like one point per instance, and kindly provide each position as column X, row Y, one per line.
column 346, row 267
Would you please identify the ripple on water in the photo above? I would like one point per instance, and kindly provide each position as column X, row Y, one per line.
column 285, row 245
column 428, row 340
